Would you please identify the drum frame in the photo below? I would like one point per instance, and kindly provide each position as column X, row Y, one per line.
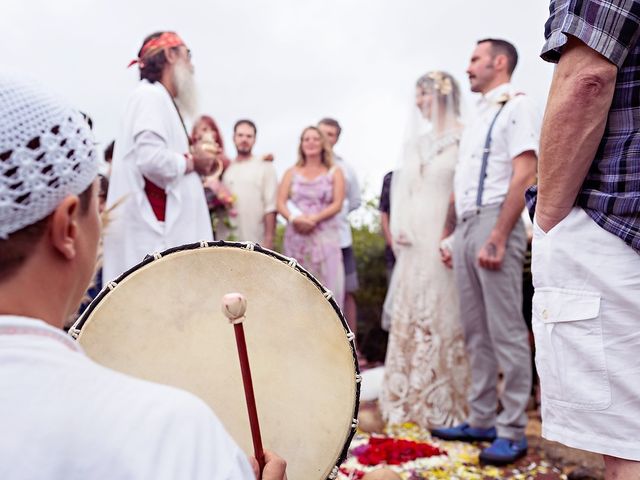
column 75, row 330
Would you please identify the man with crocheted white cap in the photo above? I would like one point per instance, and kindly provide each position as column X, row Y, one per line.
column 155, row 189
column 62, row 415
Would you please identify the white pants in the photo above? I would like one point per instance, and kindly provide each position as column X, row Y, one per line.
column 586, row 321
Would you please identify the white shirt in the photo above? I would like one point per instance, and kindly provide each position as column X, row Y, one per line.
column 152, row 144
column 517, row 130
column 65, row 417
column 351, row 202
column 254, row 184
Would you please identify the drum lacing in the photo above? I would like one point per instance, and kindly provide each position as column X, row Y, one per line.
column 157, row 256
column 249, row 246
column 328, row 294
column 74, row 332
column 293, row 263
column 203, row 244
column 354, row 423
column 334, row 473
column 358, row 378
column 111, row 285
column 351, row 336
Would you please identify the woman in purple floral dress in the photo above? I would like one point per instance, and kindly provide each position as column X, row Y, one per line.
column 309, row 197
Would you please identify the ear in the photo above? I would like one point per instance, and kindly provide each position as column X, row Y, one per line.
column 172, row 55
column 64, row 228
column 500, row 62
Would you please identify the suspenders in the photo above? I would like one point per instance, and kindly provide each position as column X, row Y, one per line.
column 485, row 158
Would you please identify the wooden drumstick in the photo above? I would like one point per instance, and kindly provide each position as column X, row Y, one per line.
column 234, row 306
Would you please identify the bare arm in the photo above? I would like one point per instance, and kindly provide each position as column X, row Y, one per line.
column 283, row 194
column 155, row 161
column 269, row 229
column 449, row 226
column 338, row 197
column 386, row 230
column 574, row 121
column 524, row 174
column 450, row 220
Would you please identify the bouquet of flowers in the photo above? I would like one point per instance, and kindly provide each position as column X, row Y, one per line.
column 220, row 202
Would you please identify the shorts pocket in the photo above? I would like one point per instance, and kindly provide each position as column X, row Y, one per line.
column 539, row 232
column 569, row 348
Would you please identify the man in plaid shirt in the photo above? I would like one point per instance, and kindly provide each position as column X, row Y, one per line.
column 586, row 268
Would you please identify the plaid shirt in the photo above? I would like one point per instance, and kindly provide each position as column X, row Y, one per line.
column 610, row 193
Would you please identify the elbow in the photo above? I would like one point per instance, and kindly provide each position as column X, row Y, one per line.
column 593, row 83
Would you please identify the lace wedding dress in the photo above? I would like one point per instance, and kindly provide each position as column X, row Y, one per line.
column 426, row 371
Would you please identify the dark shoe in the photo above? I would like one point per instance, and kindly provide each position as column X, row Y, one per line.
column 465, row 433
column 504, row 451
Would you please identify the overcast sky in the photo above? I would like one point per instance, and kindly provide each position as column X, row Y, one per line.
column 283, row 63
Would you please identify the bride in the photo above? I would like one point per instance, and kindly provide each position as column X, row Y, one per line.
column 426, row 371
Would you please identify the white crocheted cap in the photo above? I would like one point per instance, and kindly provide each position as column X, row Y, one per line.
column 46, row 153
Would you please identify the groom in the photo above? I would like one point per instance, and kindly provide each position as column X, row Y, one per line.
column 497, row 162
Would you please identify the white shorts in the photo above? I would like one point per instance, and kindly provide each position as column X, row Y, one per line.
column 586, row 321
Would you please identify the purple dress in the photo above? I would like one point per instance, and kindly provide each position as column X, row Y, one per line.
column 319, row 251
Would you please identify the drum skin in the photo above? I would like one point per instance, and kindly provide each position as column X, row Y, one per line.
column 163, row 322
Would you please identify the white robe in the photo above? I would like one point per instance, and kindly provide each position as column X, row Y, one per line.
column 133, row 230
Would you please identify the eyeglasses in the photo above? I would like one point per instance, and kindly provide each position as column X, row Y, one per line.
column 185, row 49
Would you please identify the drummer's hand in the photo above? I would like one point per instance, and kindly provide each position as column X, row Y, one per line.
column 274, row 467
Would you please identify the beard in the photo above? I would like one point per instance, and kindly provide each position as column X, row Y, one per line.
column 187, row 98
column 243, row 150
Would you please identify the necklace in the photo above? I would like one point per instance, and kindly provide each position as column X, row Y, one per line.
column 438, row 144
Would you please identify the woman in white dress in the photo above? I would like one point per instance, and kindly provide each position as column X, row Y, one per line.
column 426, row 371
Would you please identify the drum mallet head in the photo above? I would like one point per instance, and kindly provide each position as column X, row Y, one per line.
column 234, row 306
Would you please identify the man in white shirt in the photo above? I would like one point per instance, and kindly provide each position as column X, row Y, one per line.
column 62, row 415
column 331, row 129
column 254, row 185
column 155, row 190
column 497, row 162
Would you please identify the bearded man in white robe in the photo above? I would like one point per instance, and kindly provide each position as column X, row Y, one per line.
column 155, row 195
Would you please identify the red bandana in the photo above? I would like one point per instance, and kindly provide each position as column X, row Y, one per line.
column 153, row 46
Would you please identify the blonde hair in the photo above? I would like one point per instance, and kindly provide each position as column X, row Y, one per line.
column 326, row 156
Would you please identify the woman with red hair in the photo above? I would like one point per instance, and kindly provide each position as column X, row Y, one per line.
column 207, row 126
column 219, row 199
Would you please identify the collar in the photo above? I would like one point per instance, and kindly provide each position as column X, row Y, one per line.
column 496, row 95
column 17, row 325
column 246, row 160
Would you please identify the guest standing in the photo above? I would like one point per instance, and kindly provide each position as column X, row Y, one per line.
column 315, row 186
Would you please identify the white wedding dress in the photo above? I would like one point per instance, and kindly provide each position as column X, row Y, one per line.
column 426, row 370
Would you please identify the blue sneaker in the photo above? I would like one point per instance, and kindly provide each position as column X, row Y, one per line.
column 465, row 433
column 504, row 451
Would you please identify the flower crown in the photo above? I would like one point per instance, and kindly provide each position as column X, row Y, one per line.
column 441, row 83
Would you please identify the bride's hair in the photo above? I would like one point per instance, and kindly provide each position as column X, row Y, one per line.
column 444, row 86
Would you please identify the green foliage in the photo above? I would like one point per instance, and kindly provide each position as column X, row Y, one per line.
column 368, row 247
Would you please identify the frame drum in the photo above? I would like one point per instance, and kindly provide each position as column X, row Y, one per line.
column 162, row 321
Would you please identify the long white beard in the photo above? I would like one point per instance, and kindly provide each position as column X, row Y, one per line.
column 187, row 98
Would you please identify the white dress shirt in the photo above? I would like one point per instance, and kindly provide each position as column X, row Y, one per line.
column 517, row 130
column 351, row 202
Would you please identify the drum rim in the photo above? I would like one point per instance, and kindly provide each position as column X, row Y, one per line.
column 76, row 328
